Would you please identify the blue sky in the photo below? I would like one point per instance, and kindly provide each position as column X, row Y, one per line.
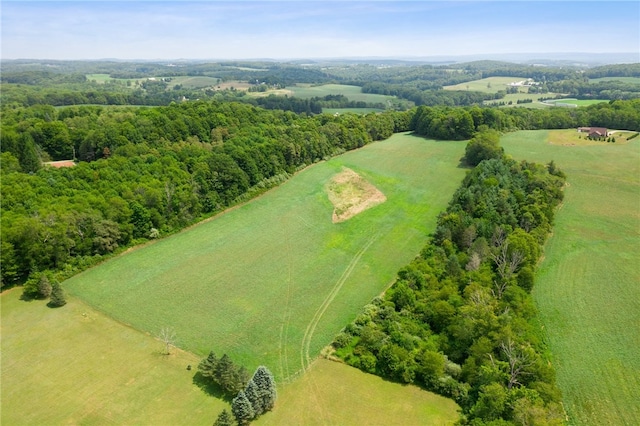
column 312, row 29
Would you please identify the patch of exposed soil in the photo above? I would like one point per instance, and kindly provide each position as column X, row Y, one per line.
column 350, row 194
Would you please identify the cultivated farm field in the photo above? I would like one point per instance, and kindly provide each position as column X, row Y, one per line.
column 272, row 281
column 588, row 286
column 354, row 93
column 488, row 85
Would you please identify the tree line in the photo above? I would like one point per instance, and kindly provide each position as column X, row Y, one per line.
column 460, row 320
column 460, row 123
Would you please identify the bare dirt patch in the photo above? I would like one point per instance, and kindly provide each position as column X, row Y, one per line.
column 350, row 195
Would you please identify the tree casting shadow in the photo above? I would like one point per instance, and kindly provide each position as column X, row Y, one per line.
column 209, row 388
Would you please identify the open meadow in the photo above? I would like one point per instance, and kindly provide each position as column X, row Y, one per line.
column 487, row 85
column 632, row 80
column 574, row 102
column 74, row 365
column 83, row 367
column 354, row 93
column 332, row 393
column 588, row 287
column 272, row 281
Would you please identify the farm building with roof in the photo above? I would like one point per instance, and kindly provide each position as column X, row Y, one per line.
column 595, row 132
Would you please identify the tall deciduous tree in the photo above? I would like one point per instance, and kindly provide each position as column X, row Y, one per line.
column 168, row 337
column 483, row 146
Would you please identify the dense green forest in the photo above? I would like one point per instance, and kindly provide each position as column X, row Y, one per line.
column 459, row 320
column 147, row 172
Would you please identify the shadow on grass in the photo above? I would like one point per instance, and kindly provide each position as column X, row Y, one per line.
column 210, row 389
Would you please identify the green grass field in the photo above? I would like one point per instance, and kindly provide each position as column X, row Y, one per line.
column 99, row 78
column 588, row 288
column 515, row 97
column 487, row 85
column 274, row 280
column 354, row 93
column 576, row 102
column 73, row 365
column 350, row 110
column 633, row 80
column 191, row 82
column 336, row 394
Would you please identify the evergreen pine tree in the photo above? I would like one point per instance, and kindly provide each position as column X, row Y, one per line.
column 253, row 395
column 266, row 387
column 44, row 287
column 207, row 366
column 240, row 379
column 224, row 419
column 223, row 374
column 241, row 408
column 57, row 296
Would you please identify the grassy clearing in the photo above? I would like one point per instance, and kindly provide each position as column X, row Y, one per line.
column 487, row 85
column 333, row 393
column 361, row 111
column 190, row 82
column 73, row 365
column 588, row 291
column 633, row 80
column 84, row 368
column 99, row 78
column 354, row 93
column 576, row 102
column 274, row 280
column 571, row 137
column 515, row 97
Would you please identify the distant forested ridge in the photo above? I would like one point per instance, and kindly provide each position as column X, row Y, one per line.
column 459, row 320
column 66, row 83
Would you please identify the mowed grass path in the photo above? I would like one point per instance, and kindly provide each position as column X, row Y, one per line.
column 273, row 281
column 588, row 288
column 73, row 365
column 336, row 394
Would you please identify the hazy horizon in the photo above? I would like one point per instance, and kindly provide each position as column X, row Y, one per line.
column 281, row 30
